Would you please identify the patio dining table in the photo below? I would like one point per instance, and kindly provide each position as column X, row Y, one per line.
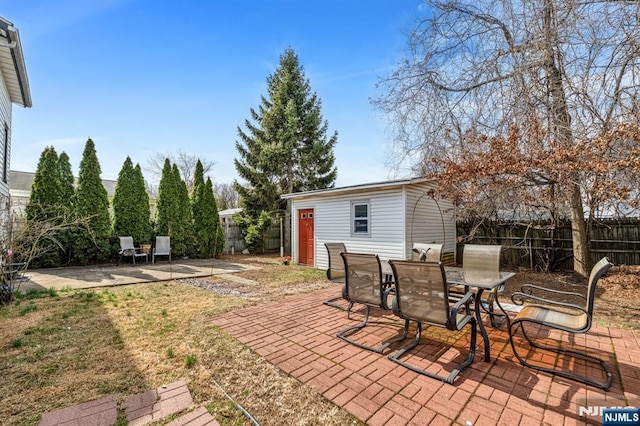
column 455, row 277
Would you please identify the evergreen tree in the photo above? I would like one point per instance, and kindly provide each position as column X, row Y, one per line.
column 67, row 181
column 173, row 212
column 131, row 205
column 285, row 148
column 166, row 201
column 143, row 207
column 206, row 226
column 92, row 203
column 182, row 238
column 210, row 200
column 46, row 191
column 67, row 191
column 45, row 205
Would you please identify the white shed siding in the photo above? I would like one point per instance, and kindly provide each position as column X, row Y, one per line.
column 428, row 221
column 5, row 118
column 332, row 223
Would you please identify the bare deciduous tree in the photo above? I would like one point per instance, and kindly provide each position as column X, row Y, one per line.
column 226, row 196
column 563, row 71
column 23, row 241
column 186, row 165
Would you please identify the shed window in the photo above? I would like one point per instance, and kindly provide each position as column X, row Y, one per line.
column 360, row 218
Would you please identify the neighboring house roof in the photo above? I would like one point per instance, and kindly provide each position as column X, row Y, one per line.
column 229, row 212
column 12, row 64
column 21, row 182
column 389, row 184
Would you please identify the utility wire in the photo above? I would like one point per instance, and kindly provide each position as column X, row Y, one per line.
column 246, row 413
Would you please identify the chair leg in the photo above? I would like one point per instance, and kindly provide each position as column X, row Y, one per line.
column 331, row 302
column 454, row 373
column 605, row 385
column 354, row 328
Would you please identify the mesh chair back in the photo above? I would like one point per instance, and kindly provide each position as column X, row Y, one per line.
column 363, row 278
column 598, row 270
column 481, row 263
column 163, row 246
column 126, row 244
column 422, row 293
column 433, row 252
column 335, row 272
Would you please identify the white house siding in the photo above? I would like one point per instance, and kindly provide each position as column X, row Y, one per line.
column 429, row 219
column 332, row 223
column 5, row 118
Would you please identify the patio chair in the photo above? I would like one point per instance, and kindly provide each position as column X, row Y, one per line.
column 552, row 314
column 162, row 248
column 128, row 249
column 363, row 284
column 481, row 264
column 422, row 295
column 422, row 252
column 335, row 273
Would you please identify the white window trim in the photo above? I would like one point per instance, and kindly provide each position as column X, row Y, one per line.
column 353, row 218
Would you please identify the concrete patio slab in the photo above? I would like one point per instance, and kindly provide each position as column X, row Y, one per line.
column 111, row 275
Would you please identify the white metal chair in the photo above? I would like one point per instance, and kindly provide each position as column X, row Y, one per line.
column 128, row 249
column 162, row 248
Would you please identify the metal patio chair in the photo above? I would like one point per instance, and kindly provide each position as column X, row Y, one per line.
column 162, row 248
column 481, row 264
column 128, row 249
column 335, row 273
column 552, row 314
column 364, row 284
column 422, row 295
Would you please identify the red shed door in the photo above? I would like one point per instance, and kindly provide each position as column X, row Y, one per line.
column 305, row 237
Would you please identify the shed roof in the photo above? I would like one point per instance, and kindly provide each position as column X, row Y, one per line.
column 365, row 187
column 12, row 64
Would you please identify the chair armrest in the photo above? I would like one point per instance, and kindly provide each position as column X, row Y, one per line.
column 527, row 290
column 518, row 298
column 385, row 295
column 453, row 316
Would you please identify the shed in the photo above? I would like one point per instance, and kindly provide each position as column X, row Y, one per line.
column 384, row 218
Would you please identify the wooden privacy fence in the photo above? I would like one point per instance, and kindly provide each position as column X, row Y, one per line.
column 234, row 242
column 539, row 246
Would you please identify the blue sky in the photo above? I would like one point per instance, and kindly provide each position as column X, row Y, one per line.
column 147, row 76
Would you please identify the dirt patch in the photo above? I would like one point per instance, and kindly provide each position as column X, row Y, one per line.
column 617, row 293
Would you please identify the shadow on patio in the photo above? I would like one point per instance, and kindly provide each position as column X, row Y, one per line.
column 298, row 335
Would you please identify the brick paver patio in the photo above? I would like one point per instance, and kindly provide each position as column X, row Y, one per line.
column 298, row 335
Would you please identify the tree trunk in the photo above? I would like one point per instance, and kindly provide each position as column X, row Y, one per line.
column 560, row 122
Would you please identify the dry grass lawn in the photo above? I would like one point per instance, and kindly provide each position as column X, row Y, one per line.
column 62, row 349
